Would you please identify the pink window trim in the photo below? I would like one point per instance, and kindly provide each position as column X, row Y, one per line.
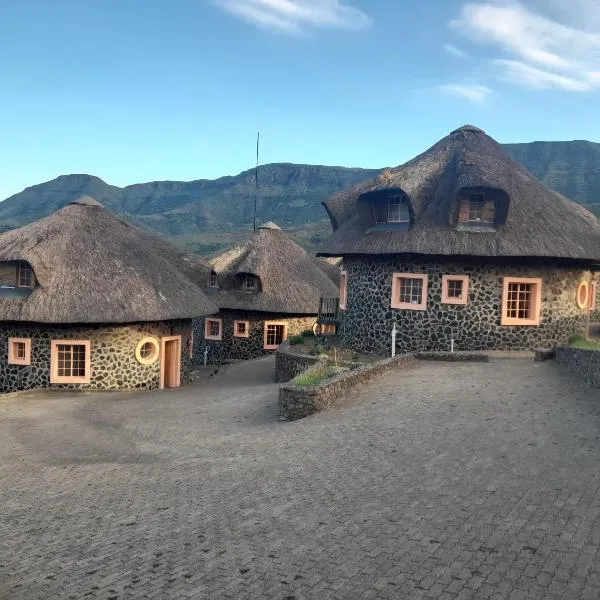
column 343, row 290
column 285, row 334
column 13, row 359
column 54, row 376
column 396, row 281
column 207, row 335
column 537, row 301
column 465, row 289
column 241, row 335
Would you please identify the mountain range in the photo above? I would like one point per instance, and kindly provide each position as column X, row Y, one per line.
column 205, row 216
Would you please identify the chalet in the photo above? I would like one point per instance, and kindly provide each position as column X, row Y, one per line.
column 463, row 246
column 267, row 289
column 89, row 301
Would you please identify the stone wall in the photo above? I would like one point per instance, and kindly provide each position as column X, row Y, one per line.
column 288, row 363
column 113, row 362
column 367, row 322
column 231, row 347
column 296, row 402
column 580, row 362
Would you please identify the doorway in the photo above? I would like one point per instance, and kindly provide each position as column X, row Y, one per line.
column 170, row 362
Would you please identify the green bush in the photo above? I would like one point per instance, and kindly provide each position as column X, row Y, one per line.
column 317, row 348
column 308, row 333
column 295, row 340
column 317, row 374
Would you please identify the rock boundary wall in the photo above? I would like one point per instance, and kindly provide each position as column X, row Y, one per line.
column 580, row 362
column 453, row 356
column 296, row 402
column 288, row 363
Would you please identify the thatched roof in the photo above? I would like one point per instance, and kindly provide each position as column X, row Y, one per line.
column 291, row 280
column 93, row 267
column 539, row 222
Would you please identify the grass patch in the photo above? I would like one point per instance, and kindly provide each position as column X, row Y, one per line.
column 580, row 342
column 317, row 374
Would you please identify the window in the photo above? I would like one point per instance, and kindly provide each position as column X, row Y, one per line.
column 19, row 351
column 409, row 291
column 477, row 209
column 394, row 210
column 582, row 294
column 70, row 361
column 213, row 329
column 147, row 351
column 521, row 301
column 275, row 334
column 241, row 329
column 476, row 206
column 24, row 275
column 249, row 282
column 455, row 289
column 398, row 210
column 343, row 290
column 213, row 281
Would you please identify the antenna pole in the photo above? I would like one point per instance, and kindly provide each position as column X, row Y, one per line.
column 256, row 177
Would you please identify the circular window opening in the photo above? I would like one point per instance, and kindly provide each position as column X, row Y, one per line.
column 582, row 294
column 146, row 351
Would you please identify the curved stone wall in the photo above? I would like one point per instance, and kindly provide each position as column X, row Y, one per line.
column 231, row 347
column 367, row 322
column 288, row 363
column 580, row 362
column 113, row 362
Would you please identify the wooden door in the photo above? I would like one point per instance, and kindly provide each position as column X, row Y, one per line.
column 170, row 366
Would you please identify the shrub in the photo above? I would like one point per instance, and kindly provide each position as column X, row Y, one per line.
column 318, row 373
column 317, row 348
column 308, row 333
column 295, row 340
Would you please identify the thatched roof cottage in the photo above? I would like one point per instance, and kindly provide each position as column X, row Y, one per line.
column 90, row 301
column 267, row 289
column 462, row 243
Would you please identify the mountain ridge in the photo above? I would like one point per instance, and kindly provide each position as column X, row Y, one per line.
column 205, row 215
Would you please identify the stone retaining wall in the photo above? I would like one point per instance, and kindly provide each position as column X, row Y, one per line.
column 296, row 402
column 288, row 363
column 581, row 363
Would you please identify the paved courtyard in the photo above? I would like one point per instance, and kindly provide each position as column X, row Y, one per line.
column 438, row 481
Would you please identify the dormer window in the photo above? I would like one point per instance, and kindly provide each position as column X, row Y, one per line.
column 213, row 281
column 477, row 209
column 25, row 277
column 247, row 282
column 394, row 210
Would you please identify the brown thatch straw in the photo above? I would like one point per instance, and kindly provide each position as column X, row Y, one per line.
column 93, row 267
column 540, row 222
column 291, row 280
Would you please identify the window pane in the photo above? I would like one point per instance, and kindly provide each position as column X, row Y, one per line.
column 519, row 303
column 455, row 288
column 411, row 291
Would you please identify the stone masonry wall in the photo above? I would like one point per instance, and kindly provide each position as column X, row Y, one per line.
column 580, row 362
column 113, row 362
column 231, row 347
column 288, row 363
column 296, row 402
column 367, row 322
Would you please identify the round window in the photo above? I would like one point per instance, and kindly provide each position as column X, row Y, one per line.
column 147, row 351
column 582, row 294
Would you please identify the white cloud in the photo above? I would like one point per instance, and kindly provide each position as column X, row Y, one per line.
column 292, row 16
column 450, row 49
column 538, row 78
column 474, row 93
column 531, row 48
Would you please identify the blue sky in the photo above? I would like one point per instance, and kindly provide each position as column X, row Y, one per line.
column 136, row 91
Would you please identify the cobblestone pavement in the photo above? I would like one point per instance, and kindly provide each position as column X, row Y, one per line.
column 438, row 481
